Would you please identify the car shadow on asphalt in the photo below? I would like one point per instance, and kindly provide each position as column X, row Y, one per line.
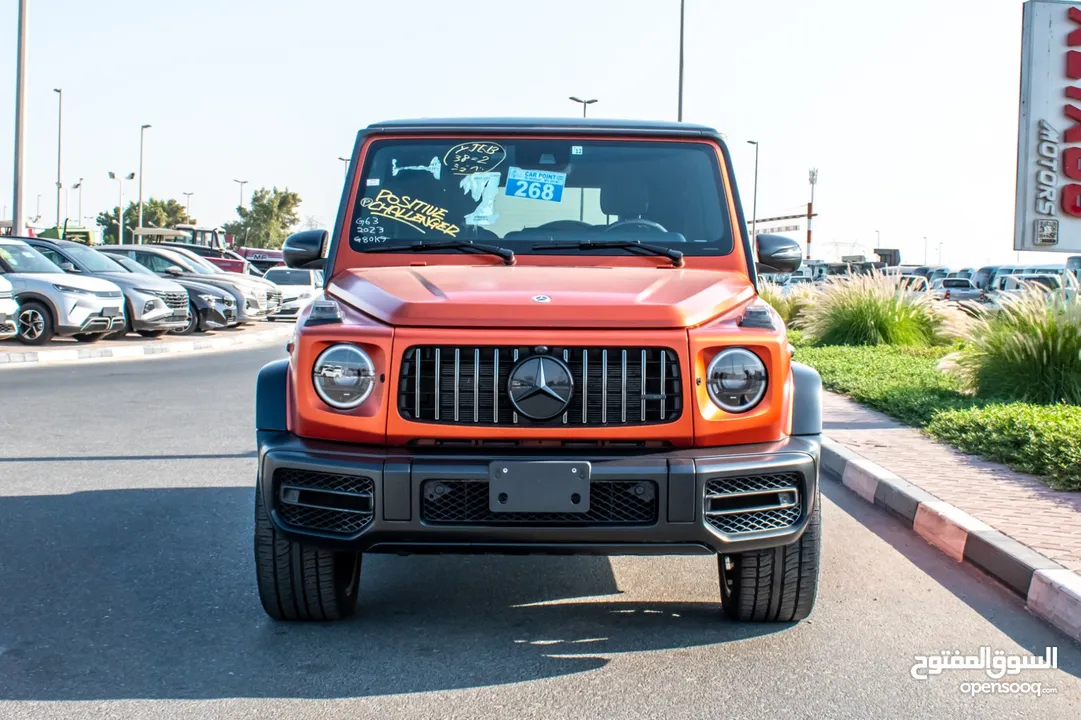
column 121, row 594
column 985, row 595
column 120, row 458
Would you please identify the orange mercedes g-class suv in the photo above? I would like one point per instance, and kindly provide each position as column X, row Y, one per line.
column 538, row 336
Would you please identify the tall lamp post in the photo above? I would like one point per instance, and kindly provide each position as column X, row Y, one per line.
column 582, row 190
column 59, row 137
column 812, row 177
column 120, row 205
column 242, row 183
column 345, row 161
column 187, row 197
column 17, row 220
column 754, row 206
column 142, row 132
column 679, row 114
column 924, row 249
column 79, row 186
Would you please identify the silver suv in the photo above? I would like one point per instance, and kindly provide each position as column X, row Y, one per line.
column 52, row 302
column 153, row 305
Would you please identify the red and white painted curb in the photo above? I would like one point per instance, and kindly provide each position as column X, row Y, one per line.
column 1051, row 591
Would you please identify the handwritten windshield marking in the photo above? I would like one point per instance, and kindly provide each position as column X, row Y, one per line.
column 474, row 157
column 417, row 214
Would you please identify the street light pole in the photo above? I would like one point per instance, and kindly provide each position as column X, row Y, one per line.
column 582, row 190
column 242, row 183
column 754, row 206
column 345, row 160
column 187, row 196
column 59, row 137
column 120, row 205
column 679, row 115
column 79, row 186
column 924, row 249
column 142, row 132
column 812, row 177
column 940, row 244
column 17, row 220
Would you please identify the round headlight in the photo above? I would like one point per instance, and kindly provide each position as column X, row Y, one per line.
column 736, row 380
column 343, row 376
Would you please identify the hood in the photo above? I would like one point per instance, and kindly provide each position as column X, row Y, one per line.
column 129, row 280
column 217, row 281
column 199, row 288
column 577, row 297
column 82, row 282
column 241, row 280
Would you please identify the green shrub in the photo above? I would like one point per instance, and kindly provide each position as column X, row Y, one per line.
column 1028, row 349
column 1043, row 440
column 875, row 310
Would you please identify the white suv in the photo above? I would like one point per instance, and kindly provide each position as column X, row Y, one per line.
column 9, row 311
column 298, row 289
column 53, row 302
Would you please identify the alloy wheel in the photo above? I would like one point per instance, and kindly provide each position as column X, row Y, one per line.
column 31, row 324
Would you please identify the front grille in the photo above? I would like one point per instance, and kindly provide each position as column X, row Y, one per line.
column 325, row 502
column 740, row 505
column 611, row 502
column 174, row 300
column 468, row 385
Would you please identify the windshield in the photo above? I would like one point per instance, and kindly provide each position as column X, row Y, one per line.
column 288, row 277
column 193, row 261
column 91, row 260
column 25, row 259
column 955, row 283
column 518, row 193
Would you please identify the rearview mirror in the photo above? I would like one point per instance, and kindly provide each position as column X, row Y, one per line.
column 304, row 250
column 778, row 254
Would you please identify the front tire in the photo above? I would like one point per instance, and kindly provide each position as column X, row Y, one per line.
column 299, row 582
column 776, row 584
column 35, row 323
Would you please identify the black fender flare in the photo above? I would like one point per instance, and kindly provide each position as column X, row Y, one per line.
column 270, row 400
column 806, row 400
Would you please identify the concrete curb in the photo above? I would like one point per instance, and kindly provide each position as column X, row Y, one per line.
column 1051, row 591
column 92, row 353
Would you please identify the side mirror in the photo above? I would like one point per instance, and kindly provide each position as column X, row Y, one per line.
column 778, row 254
column 174, row 271
column 68, row 267
column 304, row 250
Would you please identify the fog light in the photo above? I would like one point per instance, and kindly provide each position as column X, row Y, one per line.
column 149, row 306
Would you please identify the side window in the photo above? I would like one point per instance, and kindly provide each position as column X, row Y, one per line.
column 155, row 262
column 53, row 255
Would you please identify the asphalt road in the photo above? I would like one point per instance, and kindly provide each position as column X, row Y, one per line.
column 127, row 590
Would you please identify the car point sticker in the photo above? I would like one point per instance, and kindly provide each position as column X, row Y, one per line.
column 535, row 184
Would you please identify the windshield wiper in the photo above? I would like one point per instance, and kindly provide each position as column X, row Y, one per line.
column 674, row 255
column 506, row 253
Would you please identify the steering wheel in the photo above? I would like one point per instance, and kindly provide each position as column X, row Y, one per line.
column 636, row 221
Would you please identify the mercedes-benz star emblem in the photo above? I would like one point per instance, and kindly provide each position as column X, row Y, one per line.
column 542, row 298
column 540, row 387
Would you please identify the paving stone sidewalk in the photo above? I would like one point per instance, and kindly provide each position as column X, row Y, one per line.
column 1013, row 503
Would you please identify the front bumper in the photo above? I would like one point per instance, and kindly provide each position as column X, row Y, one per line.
column 405, row 500
column 79, row 314
column 160, row 317
column 8, row 326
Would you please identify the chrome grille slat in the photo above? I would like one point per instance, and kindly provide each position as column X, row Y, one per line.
column 664, row 367
column 623, row 391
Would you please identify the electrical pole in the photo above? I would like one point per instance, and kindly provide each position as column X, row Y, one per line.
column 345, row 161
column 79, row 186
column 679, row 115
column 242, row 183
column 18, row 226
column 59, row 137
column 813, row 178
column 187, row 196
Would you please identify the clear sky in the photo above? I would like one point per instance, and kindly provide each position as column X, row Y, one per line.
column 909, row 110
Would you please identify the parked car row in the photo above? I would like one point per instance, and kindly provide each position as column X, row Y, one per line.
column 51, row 288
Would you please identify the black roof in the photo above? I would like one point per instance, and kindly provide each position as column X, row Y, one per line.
column 51, row 241
column 550, row 125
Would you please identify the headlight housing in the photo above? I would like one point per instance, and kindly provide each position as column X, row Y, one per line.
column 210, row 299
column 343, row 376
column 69, row 289
column 736, row 380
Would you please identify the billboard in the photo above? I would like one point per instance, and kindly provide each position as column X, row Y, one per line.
column 1048, row 204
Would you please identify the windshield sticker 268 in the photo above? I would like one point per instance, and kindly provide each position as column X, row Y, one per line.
column 535, row 184
column 417, row 214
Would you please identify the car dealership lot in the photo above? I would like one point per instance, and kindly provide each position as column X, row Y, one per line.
column 126, row 503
